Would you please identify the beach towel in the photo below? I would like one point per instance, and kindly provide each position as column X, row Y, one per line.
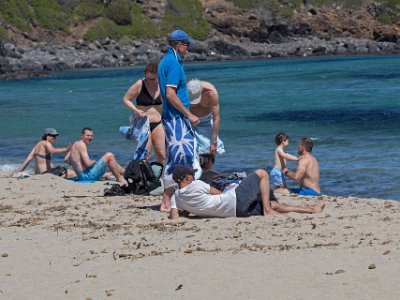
column 138, row 132
column 203, row 133
column 180, row 146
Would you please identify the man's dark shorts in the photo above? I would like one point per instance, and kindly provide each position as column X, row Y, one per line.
column 248, row 197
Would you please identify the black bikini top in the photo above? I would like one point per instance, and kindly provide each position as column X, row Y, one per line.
column 46, row 157
column 145, row 99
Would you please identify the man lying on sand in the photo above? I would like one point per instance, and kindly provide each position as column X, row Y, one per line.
column 88, row 169
column 250, row 197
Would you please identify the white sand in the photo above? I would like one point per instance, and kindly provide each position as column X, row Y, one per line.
column 64, row 240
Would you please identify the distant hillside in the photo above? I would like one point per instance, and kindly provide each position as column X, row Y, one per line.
column 268, row 21
column 42, row 36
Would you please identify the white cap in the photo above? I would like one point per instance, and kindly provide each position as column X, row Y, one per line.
column 195, row 89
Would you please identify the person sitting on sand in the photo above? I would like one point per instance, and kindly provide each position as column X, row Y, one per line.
column 250, row 197
column 42, row 153
column 88, row 169
column 307, row 173
column 277, row 179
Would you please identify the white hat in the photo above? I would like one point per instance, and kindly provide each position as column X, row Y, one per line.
column 50, row 131
column 195, row 89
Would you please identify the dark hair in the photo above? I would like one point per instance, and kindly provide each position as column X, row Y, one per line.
column 151, row 67
column 173, row 43
column 44, row 136
column 307, row 143
column 86, row 128
column 205, row 160
column 280, row 137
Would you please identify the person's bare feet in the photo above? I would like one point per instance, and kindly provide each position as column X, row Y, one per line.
column 164, row 207
column 319, row 207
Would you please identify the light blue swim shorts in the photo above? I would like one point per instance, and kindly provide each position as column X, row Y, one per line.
column 94, row 172
column 305, row 192
column 276, row 178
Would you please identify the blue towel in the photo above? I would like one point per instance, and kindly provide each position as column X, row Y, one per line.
column 203, row 132
column 75, row 179
column 138, row 132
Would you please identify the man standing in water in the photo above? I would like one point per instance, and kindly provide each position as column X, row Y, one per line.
column 176, row 117
column 307, row 173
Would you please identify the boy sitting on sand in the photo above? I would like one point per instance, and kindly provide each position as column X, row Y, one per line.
column 278, row 182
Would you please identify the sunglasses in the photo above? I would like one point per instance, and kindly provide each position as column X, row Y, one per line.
column 185, row 44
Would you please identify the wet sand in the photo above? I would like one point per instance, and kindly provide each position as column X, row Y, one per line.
column 65, row 240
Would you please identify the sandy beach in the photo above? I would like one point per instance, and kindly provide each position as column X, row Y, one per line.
column 65, row 240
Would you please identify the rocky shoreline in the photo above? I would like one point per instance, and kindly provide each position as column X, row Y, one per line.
column 42, row 58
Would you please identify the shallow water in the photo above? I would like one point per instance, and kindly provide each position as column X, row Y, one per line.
column 348, row 105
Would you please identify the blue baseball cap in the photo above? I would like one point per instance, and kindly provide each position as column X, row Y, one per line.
column 180, row 35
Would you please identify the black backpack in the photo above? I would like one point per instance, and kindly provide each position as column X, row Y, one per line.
column 141, row 176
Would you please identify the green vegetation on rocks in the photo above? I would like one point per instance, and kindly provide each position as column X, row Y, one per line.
column 49, row 14
column 126, row 18
column 119, row 11
column 186, row 15
column 17, row 12
column 89, row 9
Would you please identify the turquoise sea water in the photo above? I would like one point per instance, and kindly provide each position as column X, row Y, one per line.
column 349, row 106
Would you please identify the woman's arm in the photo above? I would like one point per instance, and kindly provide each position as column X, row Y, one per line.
column 27, row 160
column 131, row 94
column 49, row 148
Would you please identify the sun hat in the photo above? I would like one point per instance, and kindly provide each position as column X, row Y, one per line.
column 194, row 89
column 180, row 172
column 50, row 131
column 180, row 35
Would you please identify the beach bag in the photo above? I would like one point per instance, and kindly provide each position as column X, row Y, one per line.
column 222, row 181
column 59, row 171
column 116, row 190
column 143, row 176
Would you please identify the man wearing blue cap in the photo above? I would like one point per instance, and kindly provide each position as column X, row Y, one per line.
column 176, row 117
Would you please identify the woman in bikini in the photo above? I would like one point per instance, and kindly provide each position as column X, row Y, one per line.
column 146, row 91
column 42, row 153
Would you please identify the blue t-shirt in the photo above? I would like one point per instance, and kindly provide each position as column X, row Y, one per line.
column 171, row 73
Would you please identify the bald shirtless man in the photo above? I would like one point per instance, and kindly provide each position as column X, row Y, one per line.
column 204, row 103
column 307, row 173
column 88, row 169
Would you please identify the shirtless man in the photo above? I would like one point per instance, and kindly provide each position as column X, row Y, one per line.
column 42, row 153
column 307, row 173
column 204, row 103
column 88, row 169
